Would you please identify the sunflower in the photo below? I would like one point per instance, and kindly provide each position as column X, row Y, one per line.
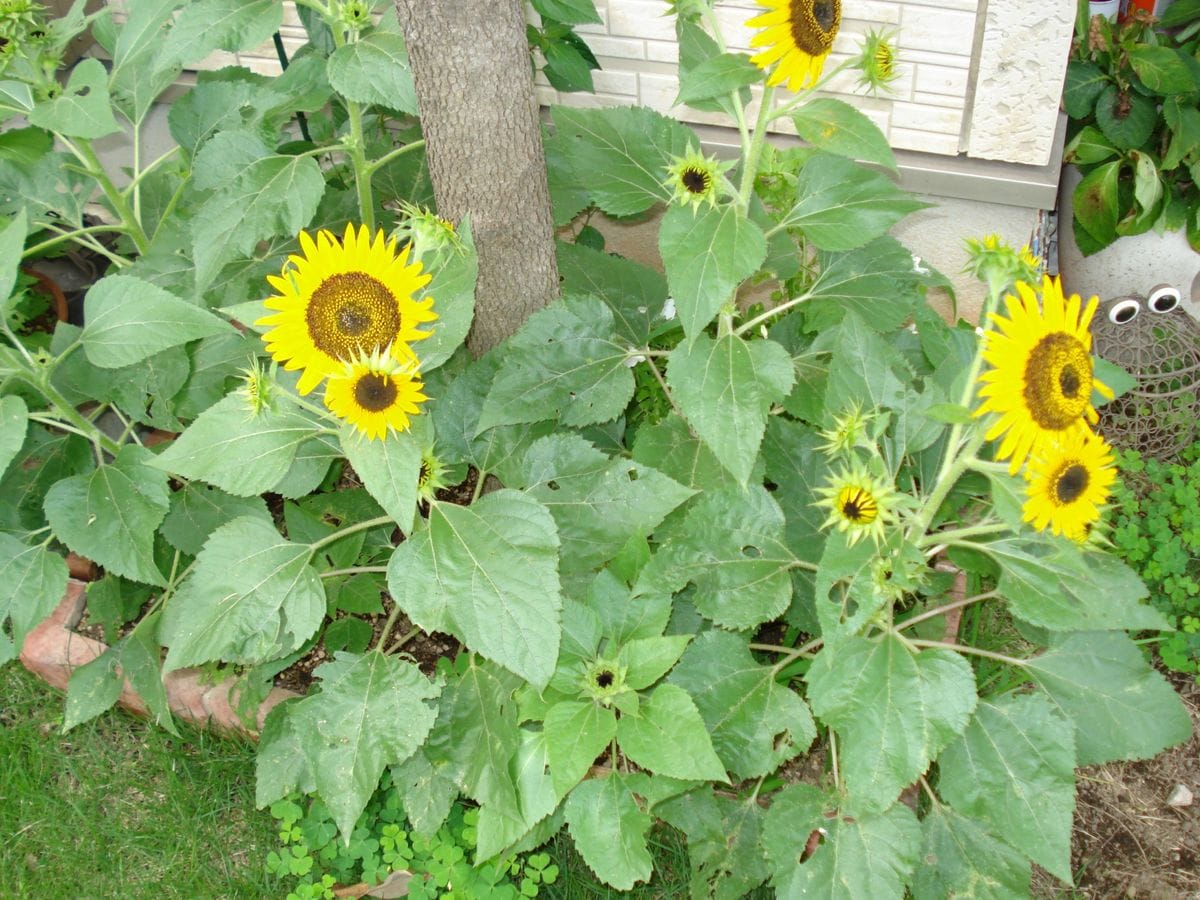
column 797, row 35
column 1068, row 483
column 860, row 504
column 339, row 300
column 695, row 178
column 877, row 61
column 1041, row 379
column 376, row 392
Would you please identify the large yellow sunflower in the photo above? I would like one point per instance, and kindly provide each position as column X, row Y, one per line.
column 376, row 392
column 797, row 35
column 339, row 300
column 1068, row 483
column 1041, row 378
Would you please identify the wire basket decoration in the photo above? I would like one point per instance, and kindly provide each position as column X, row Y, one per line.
column 1158, row 343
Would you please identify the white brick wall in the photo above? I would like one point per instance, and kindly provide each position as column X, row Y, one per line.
column 929, row 108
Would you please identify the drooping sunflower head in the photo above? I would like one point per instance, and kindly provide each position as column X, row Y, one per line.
column 426, row 232
column 849, row 431
column 1069, row 482
column 1041, row 380
column 339, row 300
column 432, row 475
column 376, row 392
column 797, row 36
column 695, row 178
column 258, row 389
column 996, row 262
column 860, row 504
column 877, row 61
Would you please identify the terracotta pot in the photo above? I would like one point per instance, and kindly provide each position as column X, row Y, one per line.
column 54, row 649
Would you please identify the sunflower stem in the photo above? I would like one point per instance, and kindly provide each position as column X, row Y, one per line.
column 373, row 166
column 62, row 236
column 362, row 173
column 349, row 530
column 957, row 534
column 753, row 153
column 945, row 608
column 772, row 313
column 387, row 627
column 82, row 148
column 970, row 651
column 352, row 570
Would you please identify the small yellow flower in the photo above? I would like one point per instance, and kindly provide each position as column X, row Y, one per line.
column 432, row 477
column 376, row 393
column 860, row 504
column 1068, row 484
column 695, row 178
column 877, row 61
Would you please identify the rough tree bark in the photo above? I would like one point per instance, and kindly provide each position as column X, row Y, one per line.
column 470, row 65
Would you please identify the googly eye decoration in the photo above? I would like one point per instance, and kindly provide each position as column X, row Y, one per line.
column 1163, row 298
column 1124, row 310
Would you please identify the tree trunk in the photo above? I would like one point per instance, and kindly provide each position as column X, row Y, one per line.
column 471, row 67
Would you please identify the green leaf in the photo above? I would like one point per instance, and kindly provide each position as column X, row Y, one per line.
column 730, row 545
column 110, row 516
column 83, row 108
column 1088, row 147
column 389, row 469
column 1184, row 122
column 717, row 76
column 372, row 711
column 598, row 502
column 569, row 12
column 670, row 447
column 1057, row 585
column 648, row 659
column 860, row 857
column 1126, row 118
column 565, row 362
column 576, row 734
column 633, row 292
column 487, row 573
column 374, row 69
column 609, row 829
column 12, row 244
column 668, row 737
column 706, row 255
column 198, row 509
column 1121, row 707
column 15, row 97
column 837, row 127
column 275, row 195
column 621, row 154
column 722, row 842
column 1095, row 201
column 215, row 361
column 959, row 858
column 280, row 766
column 1084, row 83
column 725, row 388
column 34, row 581
column 138, row 72
column 842, row 205
column 497, row 830
column 252, row 597
column 1014, row 769
column 795, row 464
column 862, row 371
column 453, row 291
column 207, row 25
column 48, row 190
column 887, row 743
column 756, row 723
column 240, row 453
column 476, row 737
column 1162, row 69
column 14, row 420
column 129, row 319
column 94, row 687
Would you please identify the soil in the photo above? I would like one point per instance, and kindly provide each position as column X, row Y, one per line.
column 1127, row 840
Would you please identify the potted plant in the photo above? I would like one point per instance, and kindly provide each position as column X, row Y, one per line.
column 1133, row 150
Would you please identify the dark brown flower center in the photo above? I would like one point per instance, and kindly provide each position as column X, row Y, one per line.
column 351, row 312
column 604, row 678
column 814, row 24
column 1058, row 381
column 374, row 392
column 857, row 506
column 1070, row 483
column 696, row 181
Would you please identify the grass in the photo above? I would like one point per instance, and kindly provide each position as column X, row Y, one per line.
column 118, row 808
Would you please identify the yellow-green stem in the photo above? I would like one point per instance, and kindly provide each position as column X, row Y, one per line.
column 753, row 153
column 129, row 220
column 362, row 172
